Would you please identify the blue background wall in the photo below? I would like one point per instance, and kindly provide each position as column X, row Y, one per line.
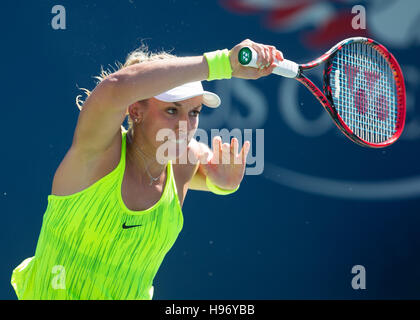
column 322, row 204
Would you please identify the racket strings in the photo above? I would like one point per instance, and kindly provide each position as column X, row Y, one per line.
column 367, row 83
column 364, row 92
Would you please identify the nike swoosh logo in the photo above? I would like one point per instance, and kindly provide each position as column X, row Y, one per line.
column 128, row 227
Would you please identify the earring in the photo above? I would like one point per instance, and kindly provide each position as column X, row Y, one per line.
column 137, row 120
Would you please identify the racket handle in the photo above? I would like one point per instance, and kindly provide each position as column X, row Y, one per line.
column 248, row 57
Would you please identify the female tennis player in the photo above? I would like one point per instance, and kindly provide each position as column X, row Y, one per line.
column 115, row 207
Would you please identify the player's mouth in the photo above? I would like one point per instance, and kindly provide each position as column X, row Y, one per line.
column 178, row 141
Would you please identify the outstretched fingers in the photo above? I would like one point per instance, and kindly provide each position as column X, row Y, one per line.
column 244, row 151
column 225, row 153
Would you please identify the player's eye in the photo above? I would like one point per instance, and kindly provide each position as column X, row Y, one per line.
column 195, row 113
column 171, row 110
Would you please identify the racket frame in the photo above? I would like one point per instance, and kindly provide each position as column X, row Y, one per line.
column 326, row 99
column 247, row 56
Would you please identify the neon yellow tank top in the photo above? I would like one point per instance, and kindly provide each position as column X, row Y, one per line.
column 91, row 246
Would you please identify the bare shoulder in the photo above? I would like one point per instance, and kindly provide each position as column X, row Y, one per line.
column 79, row 169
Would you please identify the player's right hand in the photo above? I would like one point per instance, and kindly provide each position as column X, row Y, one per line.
column 266, row 58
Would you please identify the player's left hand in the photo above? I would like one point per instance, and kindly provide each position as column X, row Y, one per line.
column 224, row 165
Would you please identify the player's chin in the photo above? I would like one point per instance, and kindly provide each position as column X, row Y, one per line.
column 173, row 149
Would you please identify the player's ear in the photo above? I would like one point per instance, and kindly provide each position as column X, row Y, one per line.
column 135, row 111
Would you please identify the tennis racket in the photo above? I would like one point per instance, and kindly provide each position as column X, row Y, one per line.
column 364, row 89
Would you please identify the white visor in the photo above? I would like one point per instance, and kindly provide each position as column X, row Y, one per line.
column 190, row 90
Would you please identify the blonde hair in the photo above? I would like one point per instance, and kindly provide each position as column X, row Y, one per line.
column 139, row 55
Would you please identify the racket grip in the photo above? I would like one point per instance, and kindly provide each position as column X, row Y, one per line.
column 248, row 57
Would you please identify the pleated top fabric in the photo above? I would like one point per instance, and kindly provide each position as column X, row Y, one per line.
column 91, row 246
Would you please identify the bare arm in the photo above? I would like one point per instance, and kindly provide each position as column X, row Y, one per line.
column 145, row 80
column 224, row 165
column 198, row 180
column 104, row 111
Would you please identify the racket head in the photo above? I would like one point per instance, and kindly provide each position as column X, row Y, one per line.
column 365, row 88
